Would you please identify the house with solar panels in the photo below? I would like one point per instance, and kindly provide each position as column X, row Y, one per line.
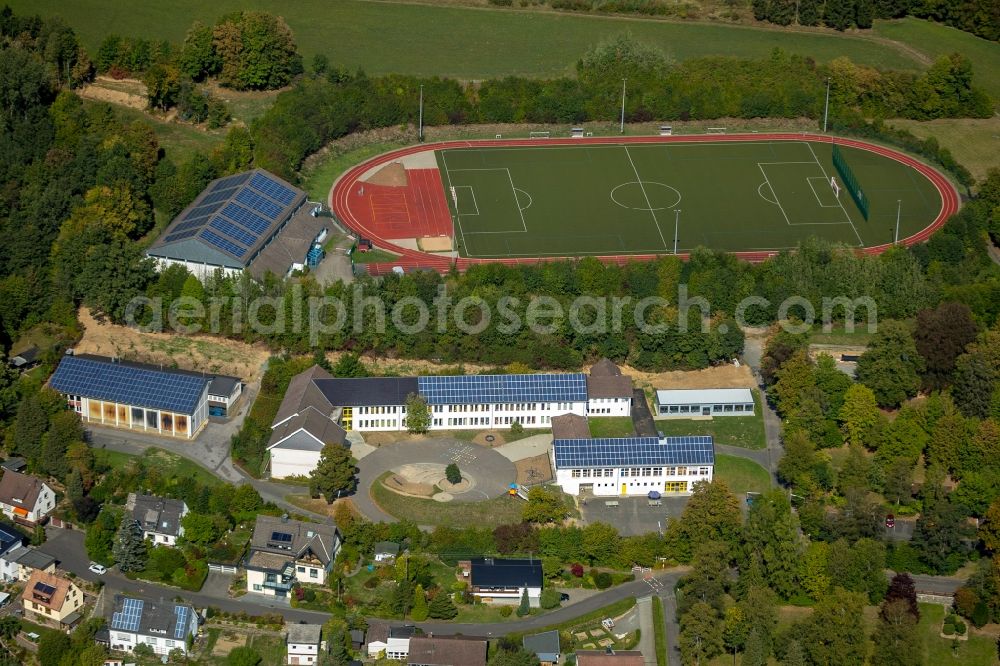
column 623, row 466
column 52, row 600
column 252, row 221
column 285, row 552
column 138, row 396
column 163, row 625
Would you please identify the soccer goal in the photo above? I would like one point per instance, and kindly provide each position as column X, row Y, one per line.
column 834, row 186
column 538, row 135
column 715, row 130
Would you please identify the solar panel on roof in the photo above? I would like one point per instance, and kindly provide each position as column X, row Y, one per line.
column 247, row 218
column 142, row 387
column 503, row 388
column 613, row 452
column 180, row 628
column 282, row 537
column 231, row 181
column 47, row 590
column 218, row 196
column 180, row 236
column 272, row 188
column 234, row 231
column 265, row 207
column 130, row 615
column 223, row 244
column 203, row 209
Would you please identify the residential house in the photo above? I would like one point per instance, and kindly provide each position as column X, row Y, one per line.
column 446, row 651
column 498, row 580
column 16, row 464
column 22, row 561
column 159, row 517
column 284, row 552
column 636, row 466
column 394, row 642
column 545, row 646
column 609, row 657
column 26, row 359
column 386, row 551
column 52, row 600
column 304, row 642
column 25, row 499
column 164, row 626
column 10, row 540
column 296, row 444
column 357, row 639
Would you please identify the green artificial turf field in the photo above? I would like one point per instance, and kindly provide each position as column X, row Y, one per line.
column 621, row 199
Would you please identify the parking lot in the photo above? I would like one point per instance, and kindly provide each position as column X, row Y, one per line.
column 631, row 515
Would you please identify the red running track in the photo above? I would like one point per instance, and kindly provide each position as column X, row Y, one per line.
column 356, row 219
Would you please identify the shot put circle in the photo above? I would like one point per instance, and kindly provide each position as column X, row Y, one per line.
column 633, row 195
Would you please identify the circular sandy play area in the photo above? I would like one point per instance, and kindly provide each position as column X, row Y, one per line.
column 427, row 480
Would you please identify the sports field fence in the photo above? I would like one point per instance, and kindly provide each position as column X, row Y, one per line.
column 850, row 181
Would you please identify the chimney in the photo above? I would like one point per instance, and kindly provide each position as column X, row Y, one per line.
column 284, row 517
column 609, row 650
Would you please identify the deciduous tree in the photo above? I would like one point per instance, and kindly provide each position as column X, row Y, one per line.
column 891, row 365
column 941, row 336
column 701, row 634
column 418, row 416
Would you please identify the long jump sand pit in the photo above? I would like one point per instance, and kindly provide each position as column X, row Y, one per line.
column 435, row 243
column 391, row 175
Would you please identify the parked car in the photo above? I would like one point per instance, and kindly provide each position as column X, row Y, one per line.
column 98, row 569
column 563, row 596
column 890, row 521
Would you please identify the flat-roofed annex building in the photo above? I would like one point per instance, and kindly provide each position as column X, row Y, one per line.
column 252, row 221
column 688, row 403
column 623, row 466
column 136, row 396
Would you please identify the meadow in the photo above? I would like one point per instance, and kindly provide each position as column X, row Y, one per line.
column 464, row 42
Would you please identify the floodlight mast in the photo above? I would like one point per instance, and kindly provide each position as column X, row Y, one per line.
column 826, row 107
column 420, row 127
column 623, row 106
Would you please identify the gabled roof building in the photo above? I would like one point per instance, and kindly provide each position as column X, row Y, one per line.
column 164, row 626
column 24, row 498
column 251, row 221
column 51, row 599
column 159, row 517
column 284, row 552
column 446, row 651
column 503, row 580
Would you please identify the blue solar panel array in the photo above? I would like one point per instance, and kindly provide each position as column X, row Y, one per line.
column 180, row 629
column 471, row 389
column 223, row 244
column 246, row 217
column 242, row 210
column 272, row 188
column 630, row 451
column 130, row 615
column 116, row 382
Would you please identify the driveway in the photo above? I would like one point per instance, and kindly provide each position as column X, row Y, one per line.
column 491, row 471
column 753, row 350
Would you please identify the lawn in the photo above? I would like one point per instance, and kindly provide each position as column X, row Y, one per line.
column 838, row 335
column 488, row 513
column 977, row 651
column 558, row 200
column 744, row 431
column 611, row 426
column 741, row 475
column 374, row 256
column 975, row 142
column 934, row 39
column 470, row 43
column 660, row 632
column 165, row 463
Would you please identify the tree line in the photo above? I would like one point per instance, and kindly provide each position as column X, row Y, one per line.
column 330, row 103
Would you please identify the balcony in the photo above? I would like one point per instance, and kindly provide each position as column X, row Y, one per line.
column 286, row 586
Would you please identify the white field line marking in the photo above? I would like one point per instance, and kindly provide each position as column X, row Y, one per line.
column 473, row 193
column 861, row 243
column 458, row 216
column 810, row 180
column 648, row 204
column 517, row 204
column 777, row 202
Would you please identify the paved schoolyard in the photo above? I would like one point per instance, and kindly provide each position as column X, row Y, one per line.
column 491, row 472
column 529, row 447
column 632, row 515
